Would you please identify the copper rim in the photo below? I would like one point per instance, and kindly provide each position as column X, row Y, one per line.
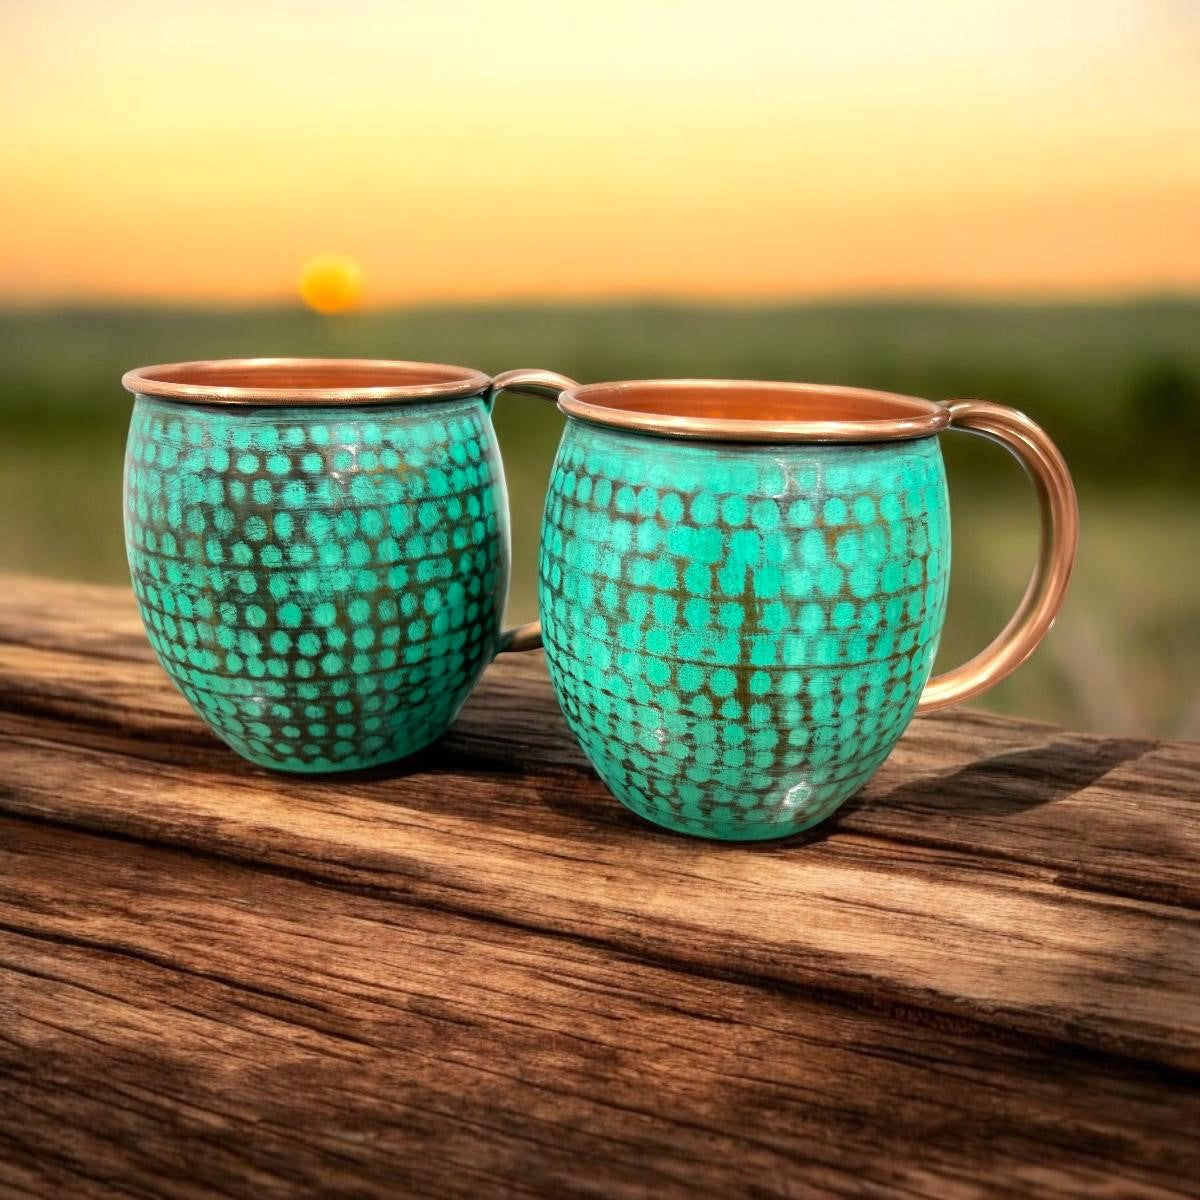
column 304, row 381
column 753, row 411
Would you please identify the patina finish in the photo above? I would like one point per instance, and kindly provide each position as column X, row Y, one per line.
column 319, row 549
column 743, row 585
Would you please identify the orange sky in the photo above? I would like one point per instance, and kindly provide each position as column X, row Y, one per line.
column 464, row 149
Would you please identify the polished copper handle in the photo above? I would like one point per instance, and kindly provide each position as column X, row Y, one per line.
column 546, row 385
column 1031, row 447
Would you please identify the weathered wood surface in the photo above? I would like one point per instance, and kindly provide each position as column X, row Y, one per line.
column 478, row 976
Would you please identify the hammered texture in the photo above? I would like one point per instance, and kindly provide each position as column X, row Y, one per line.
column 324, row 585
column 738, row 636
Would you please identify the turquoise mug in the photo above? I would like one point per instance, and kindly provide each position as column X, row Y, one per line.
column 319, row 549
column 742, row 587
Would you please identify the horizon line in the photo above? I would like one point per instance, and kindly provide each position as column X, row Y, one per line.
column 937, row 297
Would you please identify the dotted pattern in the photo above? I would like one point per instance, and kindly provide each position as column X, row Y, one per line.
column 738, row 636
column 324, row 585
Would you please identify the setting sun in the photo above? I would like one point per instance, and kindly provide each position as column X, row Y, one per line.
column 331, row 283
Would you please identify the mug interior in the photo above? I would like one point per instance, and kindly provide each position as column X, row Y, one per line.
column 748, row 410
column 304, row 381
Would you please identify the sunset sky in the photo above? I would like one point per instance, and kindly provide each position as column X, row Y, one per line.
column 467, row 149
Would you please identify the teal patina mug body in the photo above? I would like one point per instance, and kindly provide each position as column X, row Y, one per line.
column 742, row 587
column 319, row 549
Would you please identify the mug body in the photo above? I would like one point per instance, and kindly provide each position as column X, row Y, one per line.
column 323, row 583
column 739, row 633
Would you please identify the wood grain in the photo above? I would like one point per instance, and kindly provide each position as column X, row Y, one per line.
column 478, row 975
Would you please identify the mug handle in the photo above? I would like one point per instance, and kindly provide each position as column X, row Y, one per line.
column 1059, row 540
column 545, row 385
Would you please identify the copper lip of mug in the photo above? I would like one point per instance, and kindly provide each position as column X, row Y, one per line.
column 319, row 548
column 742, row 587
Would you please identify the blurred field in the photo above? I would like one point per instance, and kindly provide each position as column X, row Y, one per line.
column 1117, row 385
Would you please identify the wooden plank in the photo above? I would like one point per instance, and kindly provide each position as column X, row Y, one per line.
column 996, row 872
column 174, row 1025
column 963, row 780
column 476, row 974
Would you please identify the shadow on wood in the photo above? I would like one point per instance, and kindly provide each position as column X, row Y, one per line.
column 1022, row 779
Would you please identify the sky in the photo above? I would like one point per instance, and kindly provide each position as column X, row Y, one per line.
column 479, row 149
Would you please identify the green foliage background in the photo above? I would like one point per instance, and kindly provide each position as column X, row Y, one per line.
column 1116, row 384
